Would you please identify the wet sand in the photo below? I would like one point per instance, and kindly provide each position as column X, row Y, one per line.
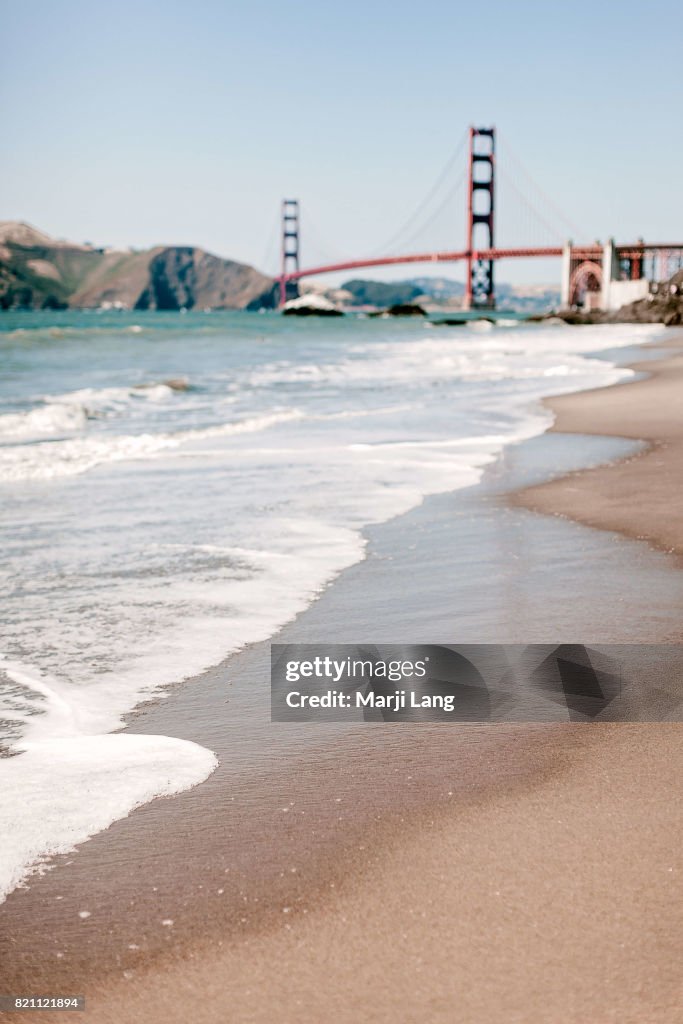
column 641, row 497
column 420, row 873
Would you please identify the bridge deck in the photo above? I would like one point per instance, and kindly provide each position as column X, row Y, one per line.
column 578, row 252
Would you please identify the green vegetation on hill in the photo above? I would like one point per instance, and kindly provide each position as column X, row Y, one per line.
column 436, row 292
column 381, row 293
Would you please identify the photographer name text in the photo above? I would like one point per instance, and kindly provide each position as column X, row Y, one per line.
column 399, row 700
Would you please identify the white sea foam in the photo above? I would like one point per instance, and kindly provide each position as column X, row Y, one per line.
column 60, row 792
column 65, row 413
column 69, row 779
column 45, row 419
column 215, row 517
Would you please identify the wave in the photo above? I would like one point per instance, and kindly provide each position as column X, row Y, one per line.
column 51, row 418
column 524, row 353
column 70, row 412
column 48, row 460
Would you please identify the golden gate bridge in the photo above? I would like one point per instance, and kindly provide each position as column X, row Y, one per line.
column 592, row 275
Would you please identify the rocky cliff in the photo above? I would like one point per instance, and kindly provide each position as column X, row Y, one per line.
column 38, row 272
column 664, row 305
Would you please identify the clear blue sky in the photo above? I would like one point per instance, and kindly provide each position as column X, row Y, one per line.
column 138, row 123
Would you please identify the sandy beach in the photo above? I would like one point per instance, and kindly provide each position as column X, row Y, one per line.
column 446, row 874
column 555, row 898
column 635, row 496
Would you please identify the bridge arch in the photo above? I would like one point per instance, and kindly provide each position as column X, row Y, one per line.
column 586, row 277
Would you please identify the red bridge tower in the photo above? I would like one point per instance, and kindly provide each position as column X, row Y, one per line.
column 479, row 291
column 290, row 249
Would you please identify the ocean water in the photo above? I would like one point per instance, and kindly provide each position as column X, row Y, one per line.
column 174, row 487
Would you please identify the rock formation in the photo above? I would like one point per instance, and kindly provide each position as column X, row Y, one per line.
column 38, row 272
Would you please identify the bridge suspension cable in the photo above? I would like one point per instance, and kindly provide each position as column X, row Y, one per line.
column 530, row 209
column 404, row 236
column 568, row 224
column 314, row 239
column 436, row 215
column 390, row 244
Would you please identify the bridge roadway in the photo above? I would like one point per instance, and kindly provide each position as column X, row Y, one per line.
column 432, row 257
column 582, row 252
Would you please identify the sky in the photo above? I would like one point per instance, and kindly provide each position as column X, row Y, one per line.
column 132, row 124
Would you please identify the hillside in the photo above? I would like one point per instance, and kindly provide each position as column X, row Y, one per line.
column 442, row 292
column 39, row 272
column 380, row 293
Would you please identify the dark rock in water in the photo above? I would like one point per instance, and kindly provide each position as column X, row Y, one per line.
column 311, row 311
column 573, row 317
column 406, row 309
column 450, row 321
column 311, row 304
column 174, row 383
